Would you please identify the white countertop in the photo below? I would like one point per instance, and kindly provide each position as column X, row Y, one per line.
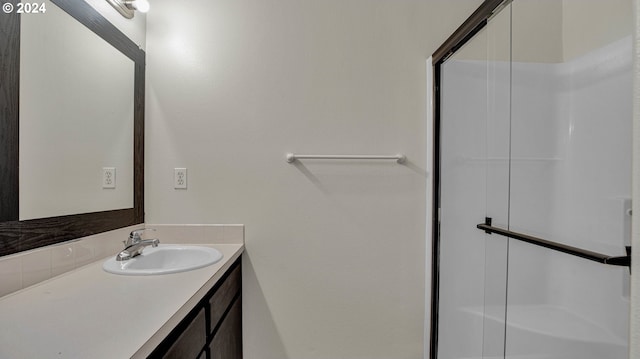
column 88, row 313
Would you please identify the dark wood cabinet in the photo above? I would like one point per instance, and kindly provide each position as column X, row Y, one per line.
column 190, row 342
column 224, row 344
column 213, row 329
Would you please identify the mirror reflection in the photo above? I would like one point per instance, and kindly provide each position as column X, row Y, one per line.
column 76, row 119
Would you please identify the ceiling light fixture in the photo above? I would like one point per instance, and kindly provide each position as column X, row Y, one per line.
column 126, row 7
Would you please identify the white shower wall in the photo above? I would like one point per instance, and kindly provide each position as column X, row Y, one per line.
column 570, row 181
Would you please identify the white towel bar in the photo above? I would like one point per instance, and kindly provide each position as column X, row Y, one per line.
column 291, row 157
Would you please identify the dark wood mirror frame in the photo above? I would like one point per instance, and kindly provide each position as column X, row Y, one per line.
column 15, row 235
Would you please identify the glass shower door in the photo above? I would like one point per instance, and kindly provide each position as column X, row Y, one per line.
column 535, row 142
column 463, row 182
column 474, row 174
column 570, row 178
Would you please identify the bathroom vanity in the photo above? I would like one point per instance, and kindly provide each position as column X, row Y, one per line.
column 214, row 326
column 89, row 313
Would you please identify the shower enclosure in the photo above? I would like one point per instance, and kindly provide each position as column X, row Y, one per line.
column 532, row 143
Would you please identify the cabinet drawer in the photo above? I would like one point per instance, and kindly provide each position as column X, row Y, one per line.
column 190, row 343
column 220, row 301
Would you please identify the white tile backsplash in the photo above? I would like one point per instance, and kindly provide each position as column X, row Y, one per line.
column 197, row 233
column 233, row 233
column 62, row 259
column 84, row 253
column 10, row 275
column 190, row 233
column 24, row 269
column 36, row 266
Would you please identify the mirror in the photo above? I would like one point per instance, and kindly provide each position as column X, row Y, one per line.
column 76, row 118
column 88, row 97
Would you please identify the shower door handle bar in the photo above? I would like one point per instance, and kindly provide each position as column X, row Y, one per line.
column 291, row 157
column 624, row 261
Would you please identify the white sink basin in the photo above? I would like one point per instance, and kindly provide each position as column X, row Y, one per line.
column 164, row 259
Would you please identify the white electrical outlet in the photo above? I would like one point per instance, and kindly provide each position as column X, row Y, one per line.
column 108, row 177
column 180, row 178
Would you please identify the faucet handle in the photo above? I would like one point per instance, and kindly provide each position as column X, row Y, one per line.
column 135, row 236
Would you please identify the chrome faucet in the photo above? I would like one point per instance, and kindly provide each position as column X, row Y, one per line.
column 134, row 245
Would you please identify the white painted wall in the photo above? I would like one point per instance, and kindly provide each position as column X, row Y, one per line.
column 634, row 343
column 590, row 24
column 335, row 260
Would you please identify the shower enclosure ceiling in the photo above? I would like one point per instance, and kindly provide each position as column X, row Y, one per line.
column 533, row 131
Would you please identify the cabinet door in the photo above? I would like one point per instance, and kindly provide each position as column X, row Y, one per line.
column 190, row 343
column 222, row 298
column 227, row 342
